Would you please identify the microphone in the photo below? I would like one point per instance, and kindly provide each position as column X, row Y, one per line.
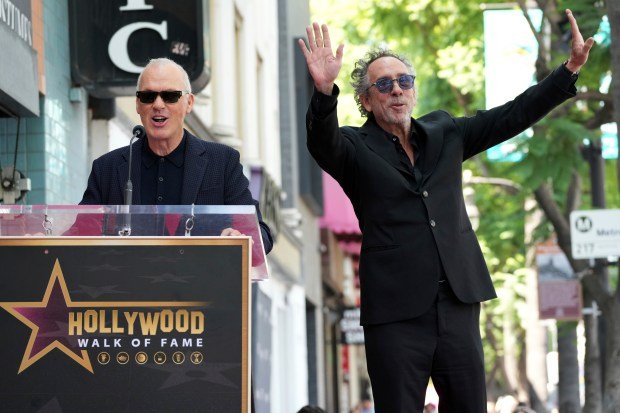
column 138, row 132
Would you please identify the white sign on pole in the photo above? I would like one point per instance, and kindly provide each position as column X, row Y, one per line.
column 352, row 331
column 595, row 234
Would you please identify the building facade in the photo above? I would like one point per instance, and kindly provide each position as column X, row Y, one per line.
column 45, row 136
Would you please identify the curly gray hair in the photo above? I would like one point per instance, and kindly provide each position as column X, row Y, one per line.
column 361, row 83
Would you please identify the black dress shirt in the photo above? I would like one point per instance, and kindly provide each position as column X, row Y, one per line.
column 161, row 177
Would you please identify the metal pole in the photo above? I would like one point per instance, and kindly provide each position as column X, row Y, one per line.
column 593, row 153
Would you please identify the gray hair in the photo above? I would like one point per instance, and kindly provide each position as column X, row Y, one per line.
column 164, row 61
column 361, row 83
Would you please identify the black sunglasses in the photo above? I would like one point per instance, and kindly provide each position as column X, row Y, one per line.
column 168, row 96
column 385, row 85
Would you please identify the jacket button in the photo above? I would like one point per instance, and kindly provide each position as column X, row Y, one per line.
column 425, row 194
column 433, row 223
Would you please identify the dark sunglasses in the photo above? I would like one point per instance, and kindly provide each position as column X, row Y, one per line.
column 168, row 96
column 385, row 85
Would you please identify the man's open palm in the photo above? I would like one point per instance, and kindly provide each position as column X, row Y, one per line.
column 322, row 64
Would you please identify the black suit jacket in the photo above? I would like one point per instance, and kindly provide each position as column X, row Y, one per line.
column 396, row 279
column 212, row 175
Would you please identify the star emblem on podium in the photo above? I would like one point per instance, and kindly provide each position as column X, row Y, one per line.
column 48, row 319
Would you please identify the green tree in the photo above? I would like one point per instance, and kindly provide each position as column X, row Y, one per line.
column 557, row 141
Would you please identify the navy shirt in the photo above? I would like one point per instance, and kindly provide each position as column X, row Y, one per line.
column 161, row 177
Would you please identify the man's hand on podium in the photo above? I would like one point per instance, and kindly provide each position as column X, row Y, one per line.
column 231, row 232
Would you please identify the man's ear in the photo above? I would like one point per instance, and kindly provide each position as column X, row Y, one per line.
column 190, row 103
column 365, row 99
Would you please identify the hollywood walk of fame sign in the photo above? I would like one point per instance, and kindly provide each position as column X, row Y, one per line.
column 124, row 324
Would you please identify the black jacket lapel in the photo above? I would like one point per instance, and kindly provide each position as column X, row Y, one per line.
column 434, row 145
column 194, row 168
column 378, row 142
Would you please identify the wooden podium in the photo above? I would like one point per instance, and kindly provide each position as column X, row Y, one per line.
column 149, row 322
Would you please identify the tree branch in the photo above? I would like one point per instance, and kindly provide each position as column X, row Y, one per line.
column 573, row 195
column 544, row 197
column 602, row 116
column 542, row 47
column 511, row 187
column 595, row 95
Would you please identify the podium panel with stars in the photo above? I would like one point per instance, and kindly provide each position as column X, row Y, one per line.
column 124, row 324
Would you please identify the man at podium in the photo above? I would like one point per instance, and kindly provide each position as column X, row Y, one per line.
column 169, row 165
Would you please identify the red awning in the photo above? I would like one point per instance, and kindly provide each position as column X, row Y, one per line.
column 339, row 218
column 338, row 215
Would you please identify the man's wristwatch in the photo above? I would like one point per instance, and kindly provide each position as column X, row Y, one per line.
column 572, row 74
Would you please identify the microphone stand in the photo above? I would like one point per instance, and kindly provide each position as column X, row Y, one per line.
column 126, row 217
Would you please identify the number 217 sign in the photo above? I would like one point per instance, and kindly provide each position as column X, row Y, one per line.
column 595, row 233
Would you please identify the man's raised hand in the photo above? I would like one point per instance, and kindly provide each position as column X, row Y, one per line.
column 322, row 64
column 579, row 49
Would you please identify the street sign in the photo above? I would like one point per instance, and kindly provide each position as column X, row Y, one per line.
column 595, row 234
column 352, row 331
column 559, row 290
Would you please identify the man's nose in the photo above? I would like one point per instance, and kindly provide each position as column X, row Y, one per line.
column 396, row 90
column 159, row 103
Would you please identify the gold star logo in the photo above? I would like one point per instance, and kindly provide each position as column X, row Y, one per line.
column 48, row 319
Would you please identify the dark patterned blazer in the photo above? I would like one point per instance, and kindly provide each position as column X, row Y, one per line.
column 212, row 175
column 404, row 219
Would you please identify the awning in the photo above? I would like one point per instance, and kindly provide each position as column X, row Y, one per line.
column 339, row 216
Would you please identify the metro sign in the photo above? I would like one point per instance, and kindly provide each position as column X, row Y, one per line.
column 595, row 234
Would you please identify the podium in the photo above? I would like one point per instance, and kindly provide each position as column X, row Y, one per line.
column 154, row 319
